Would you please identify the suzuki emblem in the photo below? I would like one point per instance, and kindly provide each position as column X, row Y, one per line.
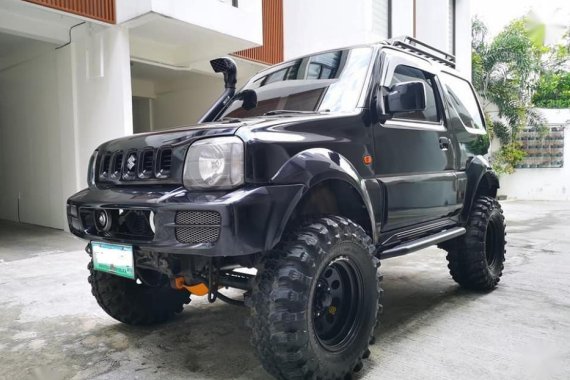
column 131, row 161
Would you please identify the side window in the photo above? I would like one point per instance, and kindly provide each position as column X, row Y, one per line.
column 463, row 101
column 412, row 74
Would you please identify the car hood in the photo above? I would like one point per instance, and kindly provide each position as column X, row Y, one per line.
column 185, row 135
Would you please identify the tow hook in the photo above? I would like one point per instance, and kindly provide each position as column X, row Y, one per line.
column 199, row 289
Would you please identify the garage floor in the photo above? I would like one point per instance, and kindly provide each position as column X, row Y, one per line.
column 51, row 327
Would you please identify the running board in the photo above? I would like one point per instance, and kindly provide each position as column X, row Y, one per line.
column 416, row 245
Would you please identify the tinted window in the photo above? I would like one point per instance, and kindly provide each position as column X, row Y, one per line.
column 411, row 74
column 325, row 82
column 463, row 101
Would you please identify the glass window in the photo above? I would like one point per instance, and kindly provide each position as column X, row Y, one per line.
column 410, row 74
column 326, row 82
column 463, row 101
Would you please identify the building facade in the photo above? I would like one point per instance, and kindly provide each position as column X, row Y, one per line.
column 74, row 74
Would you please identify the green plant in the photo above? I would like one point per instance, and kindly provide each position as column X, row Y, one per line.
column 553, row 90
column 508, row 157
column 480, row 145
column 505, row 70
column 505, row 73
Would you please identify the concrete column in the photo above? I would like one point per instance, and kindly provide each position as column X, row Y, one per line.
column 94, row 94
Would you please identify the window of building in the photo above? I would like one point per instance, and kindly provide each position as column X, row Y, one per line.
column 463, row 101
column 410, row 74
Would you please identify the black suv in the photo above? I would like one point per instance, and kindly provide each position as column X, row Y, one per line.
column 312, row 173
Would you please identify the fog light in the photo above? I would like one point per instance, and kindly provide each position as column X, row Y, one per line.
column 151, row 222
column 102, row 220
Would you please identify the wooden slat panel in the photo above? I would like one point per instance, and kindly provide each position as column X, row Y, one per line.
column 271, row 51
column 102, row 10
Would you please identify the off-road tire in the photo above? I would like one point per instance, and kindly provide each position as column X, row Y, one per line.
column 476, row 260
column 285, row 333
column 135, row 304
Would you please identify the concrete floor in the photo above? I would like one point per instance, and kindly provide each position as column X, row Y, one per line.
column 51, row 327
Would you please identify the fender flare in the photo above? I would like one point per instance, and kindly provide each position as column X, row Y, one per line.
column 478, row 170
column 313, row 166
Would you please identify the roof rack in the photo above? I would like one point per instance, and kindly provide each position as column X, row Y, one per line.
column 421, row 48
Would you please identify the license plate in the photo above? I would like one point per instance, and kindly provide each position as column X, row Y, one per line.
column 113, row 258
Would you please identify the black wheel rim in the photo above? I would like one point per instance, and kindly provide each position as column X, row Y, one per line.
column 336, row 304
column 493, row 245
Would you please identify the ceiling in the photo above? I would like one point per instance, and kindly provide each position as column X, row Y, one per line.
column 11, row 44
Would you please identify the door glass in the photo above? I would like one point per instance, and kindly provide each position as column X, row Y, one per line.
column 411, row 74
column 463, row 101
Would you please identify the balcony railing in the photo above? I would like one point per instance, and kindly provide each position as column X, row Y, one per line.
column 271, row 51
column 102, row 10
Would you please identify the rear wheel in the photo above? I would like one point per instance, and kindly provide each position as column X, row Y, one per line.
column 136, row 303
column 476, row 260
column 315, row 302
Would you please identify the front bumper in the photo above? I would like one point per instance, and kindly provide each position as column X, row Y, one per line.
column 251, row 219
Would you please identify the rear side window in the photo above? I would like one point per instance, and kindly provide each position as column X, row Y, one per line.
column 463, row 101
column 411, row 74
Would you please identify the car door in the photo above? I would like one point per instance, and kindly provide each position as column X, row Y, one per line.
column 414, row 156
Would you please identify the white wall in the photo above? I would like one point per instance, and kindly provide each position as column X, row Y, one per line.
column 402, row 18
column 183, row 102
column 432, row 24
column 30, row 143
column 311, row 26
column 463, row 37
column 542, row 183
column 181, row 97
column 243, row 22
column 55, row 110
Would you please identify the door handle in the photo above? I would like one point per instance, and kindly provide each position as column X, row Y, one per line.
column 444, row 143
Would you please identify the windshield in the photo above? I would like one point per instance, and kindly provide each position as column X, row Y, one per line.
column 325, row 82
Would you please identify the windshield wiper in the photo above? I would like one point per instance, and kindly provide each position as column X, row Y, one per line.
column 230, row 119
column 283, row 112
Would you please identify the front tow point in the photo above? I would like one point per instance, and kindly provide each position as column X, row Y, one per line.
column 198, row 290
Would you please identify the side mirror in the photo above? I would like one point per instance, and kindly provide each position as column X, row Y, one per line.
column 248, row 98
column 406, row 97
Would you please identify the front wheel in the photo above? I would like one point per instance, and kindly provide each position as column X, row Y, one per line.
column 315, row 302
column 476, row 260
column 136, row 303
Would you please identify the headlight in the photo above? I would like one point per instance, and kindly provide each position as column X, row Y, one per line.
column 91, row 169
column 214, row 163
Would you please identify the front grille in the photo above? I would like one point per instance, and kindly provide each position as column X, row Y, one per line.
column 203, row 226
column 105, row 166
column 117, row 165
column 195, row 235
column 133, row 165
column 146, row 169
column 164, row 163
column 198, row 218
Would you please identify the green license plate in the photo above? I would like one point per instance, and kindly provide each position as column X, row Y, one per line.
column 113, row 258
